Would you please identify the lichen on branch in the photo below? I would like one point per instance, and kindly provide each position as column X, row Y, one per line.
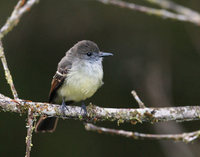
column 95, row 113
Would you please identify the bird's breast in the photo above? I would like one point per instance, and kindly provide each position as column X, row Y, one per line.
column 82, row 82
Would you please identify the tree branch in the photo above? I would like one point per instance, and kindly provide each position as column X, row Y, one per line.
column 180, row 13
column 16, row 15
column 21, row 7
column 167, row 4
column 12, row 21
column 30, row 129
column 7, row 72
column 140, row 103
column 184, row 137
column 95, row 113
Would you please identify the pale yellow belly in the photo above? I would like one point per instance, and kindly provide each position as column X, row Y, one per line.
column 78, row 87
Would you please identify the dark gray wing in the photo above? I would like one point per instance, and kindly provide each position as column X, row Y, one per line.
column 58, row 79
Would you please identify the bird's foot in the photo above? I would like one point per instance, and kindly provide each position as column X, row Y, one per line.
column 83, row 108
column 63, row 107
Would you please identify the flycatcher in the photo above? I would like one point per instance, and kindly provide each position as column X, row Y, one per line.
column 78, row 76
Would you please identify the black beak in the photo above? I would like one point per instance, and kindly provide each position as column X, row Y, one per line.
column 105, row 54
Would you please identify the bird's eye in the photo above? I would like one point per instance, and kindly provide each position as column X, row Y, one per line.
column 89, row 54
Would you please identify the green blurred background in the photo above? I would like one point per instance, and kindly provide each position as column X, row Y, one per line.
column 158, row 58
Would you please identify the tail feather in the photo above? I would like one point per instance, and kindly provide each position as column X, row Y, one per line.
column 46, row 124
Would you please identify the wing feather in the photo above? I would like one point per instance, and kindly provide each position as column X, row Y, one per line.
column 63, row 68
column 57, row 81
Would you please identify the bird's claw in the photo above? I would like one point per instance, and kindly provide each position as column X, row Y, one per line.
column 83, row 107
column 63, row 108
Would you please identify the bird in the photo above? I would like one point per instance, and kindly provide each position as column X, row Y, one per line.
column 79, row 75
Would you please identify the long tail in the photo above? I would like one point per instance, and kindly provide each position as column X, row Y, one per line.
column 46, row 124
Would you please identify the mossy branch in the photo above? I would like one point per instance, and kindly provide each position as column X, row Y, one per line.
column 95, row 113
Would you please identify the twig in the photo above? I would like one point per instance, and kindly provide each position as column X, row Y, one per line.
column 30, row 129
column 16, row 15
column 140, row 103
column 21, row 7
column 7, row 72
column 12, row 21
column 152, row 11
column 184, row 137
column 95, row 113
column 167, row 4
